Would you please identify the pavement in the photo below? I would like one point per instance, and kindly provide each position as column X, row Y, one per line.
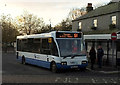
column 107, row 69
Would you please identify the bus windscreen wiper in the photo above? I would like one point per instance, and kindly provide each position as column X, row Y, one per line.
column 75, row 55
column 66, row 56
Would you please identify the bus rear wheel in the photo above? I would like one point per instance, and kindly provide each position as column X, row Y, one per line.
column 54, row 68
column 23, row 60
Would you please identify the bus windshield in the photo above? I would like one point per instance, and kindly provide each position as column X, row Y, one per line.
column 71, row 47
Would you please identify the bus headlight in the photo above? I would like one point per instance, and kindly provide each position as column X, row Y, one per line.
column 84, row 62
column 64, row 63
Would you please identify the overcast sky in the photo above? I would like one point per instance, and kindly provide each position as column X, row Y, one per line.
column 56, row 10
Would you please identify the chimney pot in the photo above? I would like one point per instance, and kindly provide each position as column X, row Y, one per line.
column 89, row 7
column 89, row 4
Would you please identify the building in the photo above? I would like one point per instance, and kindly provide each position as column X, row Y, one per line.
column 101, row 18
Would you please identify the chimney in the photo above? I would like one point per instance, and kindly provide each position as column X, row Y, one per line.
column 89, row 7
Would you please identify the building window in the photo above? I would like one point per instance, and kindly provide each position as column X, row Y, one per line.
column 80, row 25
column 113, row 20
column 95, row 22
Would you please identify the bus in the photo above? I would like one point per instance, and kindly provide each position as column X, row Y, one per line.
column 54, row 50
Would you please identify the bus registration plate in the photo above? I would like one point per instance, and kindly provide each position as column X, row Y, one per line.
column 74, row 66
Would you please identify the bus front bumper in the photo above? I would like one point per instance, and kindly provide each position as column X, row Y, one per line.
column 60, row 66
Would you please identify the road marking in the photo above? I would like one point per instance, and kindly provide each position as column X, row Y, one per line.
column 58, row 78
column 109, row 72
column 76, row 79
column 89, row 69
column 104, row 80
column 65, row 81
column 93, row 81
column 113, row 81
column 106, row 72
column 69, row 80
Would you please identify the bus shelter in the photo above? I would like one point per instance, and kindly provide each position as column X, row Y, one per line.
column 105, row 41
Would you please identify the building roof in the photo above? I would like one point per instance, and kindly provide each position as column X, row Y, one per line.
column 100, row 36
column 103, row 10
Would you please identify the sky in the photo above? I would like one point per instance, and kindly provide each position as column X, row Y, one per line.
column 54, row 10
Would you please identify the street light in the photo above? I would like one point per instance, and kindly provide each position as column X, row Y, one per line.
column 50, row 24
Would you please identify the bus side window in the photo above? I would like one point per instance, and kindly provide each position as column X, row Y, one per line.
column 18, row 45
column 54, row 50
column 45, row 46
column 36, row 47
column 30, row 45
column 24, row 45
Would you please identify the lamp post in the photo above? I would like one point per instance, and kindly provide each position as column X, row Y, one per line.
column 50, row 24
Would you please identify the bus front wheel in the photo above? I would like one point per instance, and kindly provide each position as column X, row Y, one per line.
column 53, row 67
column 23, row 60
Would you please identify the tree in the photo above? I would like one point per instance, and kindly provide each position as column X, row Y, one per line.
column 9, row 32
column 29, row 24
column 44, row 29
column 76, row 12
column 65, row 25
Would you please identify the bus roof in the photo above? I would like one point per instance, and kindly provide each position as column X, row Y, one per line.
column 45, row 35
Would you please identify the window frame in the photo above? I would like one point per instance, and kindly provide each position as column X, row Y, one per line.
column 95, row 22
column 80, row 25
column 112, row 19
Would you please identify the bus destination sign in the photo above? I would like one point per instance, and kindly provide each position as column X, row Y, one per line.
column 68, row 35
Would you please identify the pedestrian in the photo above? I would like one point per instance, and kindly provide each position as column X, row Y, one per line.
column 92, row 54
column 100, row 54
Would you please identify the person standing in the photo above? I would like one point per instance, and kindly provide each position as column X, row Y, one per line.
column 100, row 54
column 92, row 54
